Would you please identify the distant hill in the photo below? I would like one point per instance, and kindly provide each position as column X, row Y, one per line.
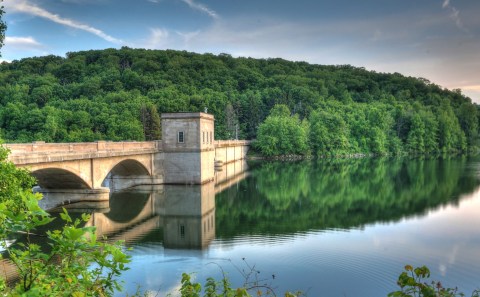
column 117, row 95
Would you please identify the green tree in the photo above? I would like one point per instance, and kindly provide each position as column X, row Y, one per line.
column 416, row 136
column 282, row 134
column 329, row 134
column 150, row 119
column 379, row 123
column 451, row 136
column 3, row 26
column 231, row 122
column 467, row 117
column 431, row 132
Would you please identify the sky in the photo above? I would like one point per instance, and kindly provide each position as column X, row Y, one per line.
column 434, row 39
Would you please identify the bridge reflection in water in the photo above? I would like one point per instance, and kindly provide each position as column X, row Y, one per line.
column 185, row 213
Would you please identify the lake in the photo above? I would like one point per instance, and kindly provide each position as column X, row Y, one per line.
column 341, row 227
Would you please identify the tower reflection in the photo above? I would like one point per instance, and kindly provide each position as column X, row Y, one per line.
column 179, row 216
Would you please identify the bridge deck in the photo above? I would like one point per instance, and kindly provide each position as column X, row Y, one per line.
column 40, row 152
column 42, row 147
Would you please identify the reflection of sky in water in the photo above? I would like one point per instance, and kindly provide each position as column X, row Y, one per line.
column 356, row 262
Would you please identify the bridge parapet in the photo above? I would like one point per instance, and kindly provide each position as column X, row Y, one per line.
column 230, row 143
column 82, row 147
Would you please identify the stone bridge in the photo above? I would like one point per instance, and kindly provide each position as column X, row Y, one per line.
column 187, row 154
column 83, row 165
column 88, row 170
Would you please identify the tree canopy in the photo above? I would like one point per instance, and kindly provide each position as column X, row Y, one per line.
column 116, row 94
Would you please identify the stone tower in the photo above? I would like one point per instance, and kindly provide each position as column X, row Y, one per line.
column 188, row 146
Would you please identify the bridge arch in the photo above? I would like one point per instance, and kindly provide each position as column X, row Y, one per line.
column 126, row 172
column 94, row 173
column 59, row 178
column 129, row 167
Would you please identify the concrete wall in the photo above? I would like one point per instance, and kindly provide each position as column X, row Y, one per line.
column 228, row 151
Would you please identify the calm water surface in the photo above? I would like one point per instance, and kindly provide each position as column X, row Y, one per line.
column 329, row 228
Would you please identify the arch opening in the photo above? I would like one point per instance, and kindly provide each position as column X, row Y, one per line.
column 129, row 167
column 125, row 174
column 56, row 178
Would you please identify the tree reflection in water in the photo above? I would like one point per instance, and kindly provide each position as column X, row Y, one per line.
column 281, row 197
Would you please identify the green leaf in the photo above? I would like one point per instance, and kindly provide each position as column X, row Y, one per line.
column 64, row 215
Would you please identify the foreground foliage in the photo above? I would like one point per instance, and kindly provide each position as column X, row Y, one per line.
column 74, row 263
column 413, row 283
column 223, row 288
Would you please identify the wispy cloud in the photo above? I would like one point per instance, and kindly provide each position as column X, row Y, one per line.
column 25, row 45
column 187, row 36
column 31, row 9
column 196, row 6
column 202, row 8
column 22, row 42
column 454, row 15
column 162, row 38
column 158, row 38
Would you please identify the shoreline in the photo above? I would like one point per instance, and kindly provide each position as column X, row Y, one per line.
column 355, row 156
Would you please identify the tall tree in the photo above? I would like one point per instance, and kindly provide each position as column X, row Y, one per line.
column 231, row 121
column 467, row 116
column 3, row 27
column 150, row 119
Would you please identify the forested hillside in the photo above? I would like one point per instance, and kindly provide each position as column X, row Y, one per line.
column 118, row 95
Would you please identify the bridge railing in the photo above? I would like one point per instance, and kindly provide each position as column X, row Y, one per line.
column 230, row 143
column 81, row 147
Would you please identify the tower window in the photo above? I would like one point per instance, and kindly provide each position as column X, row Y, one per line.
column 181, row 137
column 182, row 231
